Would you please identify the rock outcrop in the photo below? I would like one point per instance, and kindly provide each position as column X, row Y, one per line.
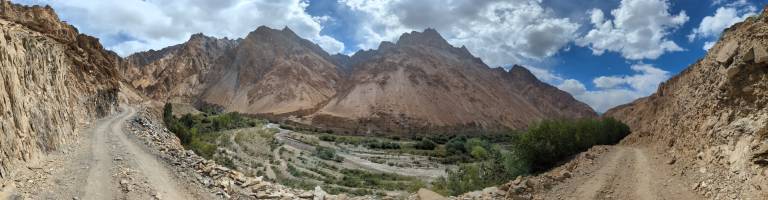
column 421, row 84
column 712, row 117
column 53, row 80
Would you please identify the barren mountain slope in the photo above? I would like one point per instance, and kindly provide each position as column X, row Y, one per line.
column 712, row 117
column 175, row 73
column 53, row 80
column 423, row 83
column 420, row 84
column 272, row 72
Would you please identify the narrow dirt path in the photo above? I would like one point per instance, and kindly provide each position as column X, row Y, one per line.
column 106, row 162
column 591, row 188
column 625, row 173
column 99, row 184
column 156, row 173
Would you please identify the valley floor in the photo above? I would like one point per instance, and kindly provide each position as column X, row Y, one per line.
column 106, row 163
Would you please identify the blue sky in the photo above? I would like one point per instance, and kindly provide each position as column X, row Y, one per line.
column 603, row 52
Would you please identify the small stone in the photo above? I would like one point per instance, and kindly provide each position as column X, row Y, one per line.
column 306, row 195
column 671, row 161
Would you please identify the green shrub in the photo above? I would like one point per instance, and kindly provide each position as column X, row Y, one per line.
column 328, row 138
column 456, row 146
column 425, row 144
column 326, row 153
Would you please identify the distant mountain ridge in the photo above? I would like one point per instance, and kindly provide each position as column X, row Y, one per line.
column 420, row 84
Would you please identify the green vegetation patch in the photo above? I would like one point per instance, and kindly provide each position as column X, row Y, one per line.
column 540, row 148
column 201, row 132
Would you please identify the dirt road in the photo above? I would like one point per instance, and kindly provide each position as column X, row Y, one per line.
column 107, row 164
column 624, row 173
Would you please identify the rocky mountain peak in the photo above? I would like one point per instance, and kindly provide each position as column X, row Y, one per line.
column 522, row 73
column 199, row 37
column 429, row 37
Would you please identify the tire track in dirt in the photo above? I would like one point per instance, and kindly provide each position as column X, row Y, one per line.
column 629, row 174
column 590, row 189
column 157, row 174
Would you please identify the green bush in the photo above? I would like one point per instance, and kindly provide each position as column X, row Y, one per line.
column 328, row 138
column 326, row 153
column 425, row 144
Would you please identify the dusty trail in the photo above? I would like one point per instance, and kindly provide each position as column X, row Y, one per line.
column 156, row 173
column 99, row 184
column 625, row 173
column 106, row 164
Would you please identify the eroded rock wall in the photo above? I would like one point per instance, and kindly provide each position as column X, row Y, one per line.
column 54, row 80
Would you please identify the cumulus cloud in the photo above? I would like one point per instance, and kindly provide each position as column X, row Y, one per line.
column 711, row 26
column 154, row 24
column 499, row 31
column 639, row 30
column 611, row 91
column 545, row 75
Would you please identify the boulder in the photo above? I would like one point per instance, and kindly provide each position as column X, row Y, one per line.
column 425, row 194
column 318, row 194
column 760, row 54
column 727, row 52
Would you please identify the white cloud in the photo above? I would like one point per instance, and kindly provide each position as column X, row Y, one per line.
column 573, row 86
column 545, row 75
column 155, row 24
column 724, row 17
column 638, row 30
column 501, row 32
column 612, row 91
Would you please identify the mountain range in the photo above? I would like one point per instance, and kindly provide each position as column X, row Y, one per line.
column 420, row 84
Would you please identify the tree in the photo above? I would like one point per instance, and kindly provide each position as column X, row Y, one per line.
column 168, row 114
column 478, row 152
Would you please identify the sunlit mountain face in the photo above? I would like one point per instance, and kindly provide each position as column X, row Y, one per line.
column 605, row 53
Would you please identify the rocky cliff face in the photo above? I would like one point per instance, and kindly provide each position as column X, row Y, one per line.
column 712, row 117
column 272, row 72
column 420, row 84
column 53, row 80
column 423, row 84
column 175, row 73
